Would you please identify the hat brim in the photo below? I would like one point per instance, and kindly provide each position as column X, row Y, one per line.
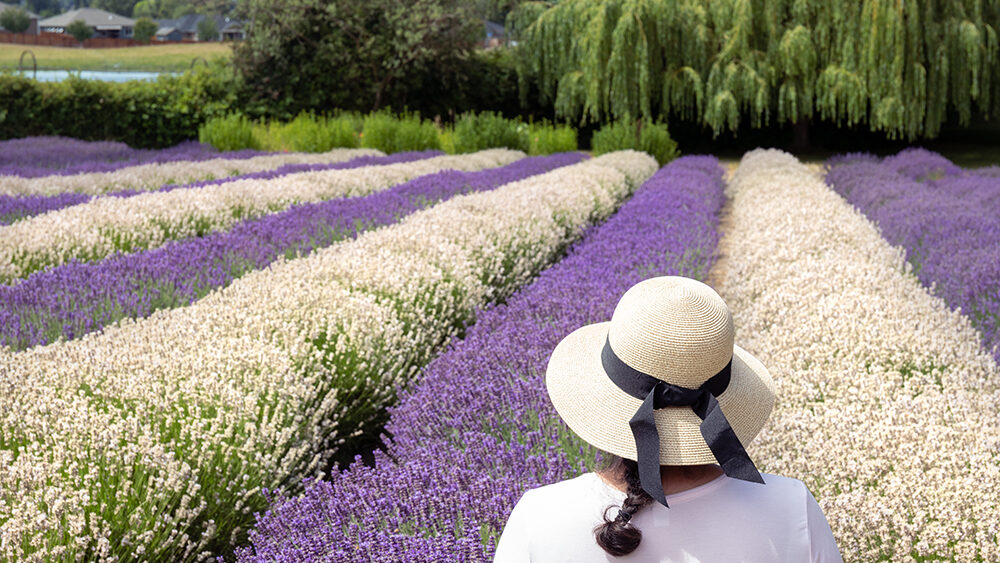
column 596, row 409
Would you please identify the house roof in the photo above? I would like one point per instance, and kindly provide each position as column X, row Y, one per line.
column 184, row 24
column 494, row 29
column 91, row 16
column 189, row 23
column 4, row 6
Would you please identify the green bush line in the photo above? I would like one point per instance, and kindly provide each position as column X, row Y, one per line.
column 198, row 105
column 390, row 133
column 142, row 114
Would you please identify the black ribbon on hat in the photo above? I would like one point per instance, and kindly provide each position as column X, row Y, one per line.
column 656, row 394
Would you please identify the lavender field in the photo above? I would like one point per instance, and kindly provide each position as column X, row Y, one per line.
column 192, row 343
column 946, row 219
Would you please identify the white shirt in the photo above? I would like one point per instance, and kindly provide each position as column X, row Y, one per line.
column 724, row 520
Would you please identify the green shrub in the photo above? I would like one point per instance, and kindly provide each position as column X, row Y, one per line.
column 653, row 138
column 80, row 30
column 389, row 134
column 487, row 130
column 548, row 139
column 230, row 133
column 207, row 30
column 146, row 114
column 14, row 19
column 309, row 133
column 145, row 29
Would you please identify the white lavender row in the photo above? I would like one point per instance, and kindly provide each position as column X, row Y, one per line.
column 14, row 208
column 109, row 225
column 153, row 175
column 74, row 299
column 478, row 430
column 153, row 439
column 32, row 157
column 887, row 406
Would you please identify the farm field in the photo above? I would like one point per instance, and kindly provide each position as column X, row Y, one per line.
column 190, row 341
column 175, row 57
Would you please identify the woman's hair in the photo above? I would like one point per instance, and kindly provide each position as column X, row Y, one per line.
column 617, row 536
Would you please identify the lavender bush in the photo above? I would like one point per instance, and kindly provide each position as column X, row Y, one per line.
column 33, row 157
column 478, row 430
column 946, row 219
column 74, row 299
column 16, row 207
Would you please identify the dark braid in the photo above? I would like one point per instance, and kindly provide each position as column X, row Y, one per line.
column 618, row 537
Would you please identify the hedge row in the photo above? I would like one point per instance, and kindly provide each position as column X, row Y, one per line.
column 143, row 114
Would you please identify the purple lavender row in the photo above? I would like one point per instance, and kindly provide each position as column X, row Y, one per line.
column 33, row 157
column 15, row 208
column 77, row 298
column 948, row 224
column 478, row 430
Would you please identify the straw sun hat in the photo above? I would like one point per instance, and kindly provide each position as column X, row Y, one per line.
column 677, row 331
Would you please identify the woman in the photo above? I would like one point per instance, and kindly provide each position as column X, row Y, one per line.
column 665, row 391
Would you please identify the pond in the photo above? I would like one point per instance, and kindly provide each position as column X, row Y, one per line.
column 105, row 75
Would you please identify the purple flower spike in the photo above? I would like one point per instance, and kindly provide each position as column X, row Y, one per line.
column 477, row 429
column 948, row 221
column 71, row 300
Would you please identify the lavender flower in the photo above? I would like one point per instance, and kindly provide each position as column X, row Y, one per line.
column 477, row 429
column 33, row 157
column 77, row 298
column 16, row 207
column 945, row 218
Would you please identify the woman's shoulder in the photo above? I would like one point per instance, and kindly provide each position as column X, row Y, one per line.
column 585, row 486
column 778, row 492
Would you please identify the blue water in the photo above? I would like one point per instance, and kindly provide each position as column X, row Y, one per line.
column 105, row 75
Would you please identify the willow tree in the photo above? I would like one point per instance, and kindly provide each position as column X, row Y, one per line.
column 898, row 67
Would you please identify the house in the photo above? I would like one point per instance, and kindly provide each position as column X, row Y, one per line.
column 496, row 35
column 229, row 29
column 33, row 28
column 187, row 27
column 169, row 34
column 105, row 24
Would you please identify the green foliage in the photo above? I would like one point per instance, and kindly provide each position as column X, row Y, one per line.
column 80, row 30
column 207, row 30
column 901, row 68
column 121, row 7
column 651, row 138
column 15, row 20
column 549, row 139
column 140, row 113
column 389, row 134
column 309, row 133
column 145, row 9
column 475, row 132
column 145, row 29
column 229, row 133
column 315, row 54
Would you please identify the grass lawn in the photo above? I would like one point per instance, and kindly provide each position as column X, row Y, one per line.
column 168, row 58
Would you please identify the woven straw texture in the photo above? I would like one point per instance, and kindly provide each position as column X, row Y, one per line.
column 675, row 329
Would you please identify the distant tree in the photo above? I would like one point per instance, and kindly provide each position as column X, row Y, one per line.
column 347, row 53
column 207, row 30
column 165, row 9
column 145, row 29
column 80, row 30
column 44, row 8
column 121, row 7
column 901, row 68
column 146, row 9
column 15, row 20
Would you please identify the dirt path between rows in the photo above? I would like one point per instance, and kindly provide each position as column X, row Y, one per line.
column 716, row 276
